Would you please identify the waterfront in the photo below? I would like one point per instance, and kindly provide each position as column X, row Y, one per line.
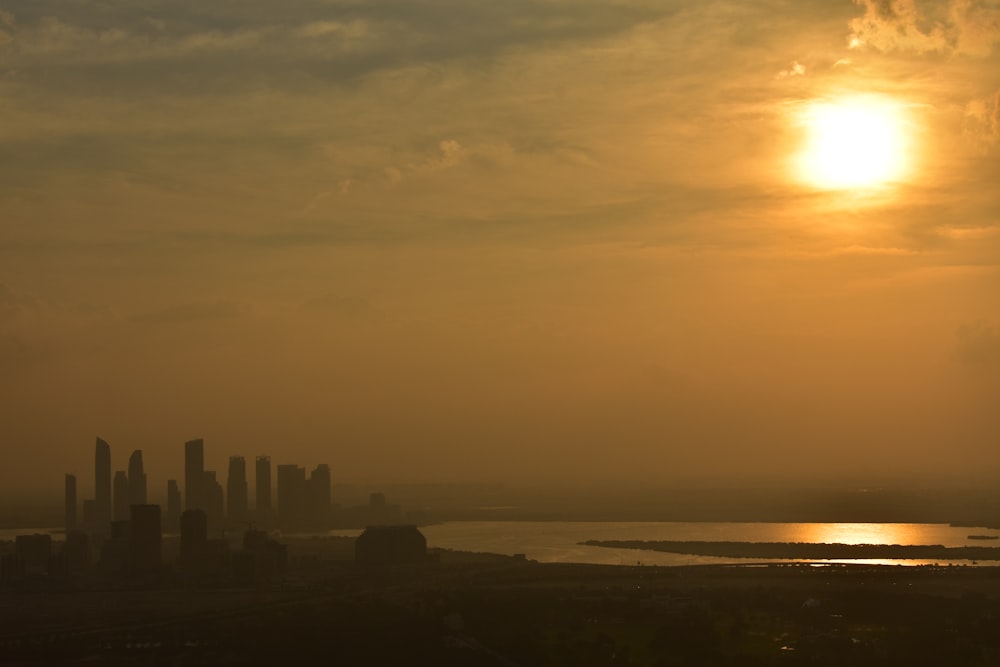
column 559, row 541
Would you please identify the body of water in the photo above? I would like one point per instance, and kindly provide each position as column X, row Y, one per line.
column 559, row 541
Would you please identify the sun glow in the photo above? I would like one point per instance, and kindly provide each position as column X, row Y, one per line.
column 859, row 533
column 853, row 143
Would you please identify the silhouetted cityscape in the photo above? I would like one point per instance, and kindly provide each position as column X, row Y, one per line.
column 120, row 534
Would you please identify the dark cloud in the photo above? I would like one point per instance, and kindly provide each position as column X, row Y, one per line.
column 968, row 27
column 208, row 48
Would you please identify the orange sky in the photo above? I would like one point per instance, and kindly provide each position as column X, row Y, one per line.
column 535, row 242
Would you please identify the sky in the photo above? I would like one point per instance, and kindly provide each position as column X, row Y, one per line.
column 536, row 241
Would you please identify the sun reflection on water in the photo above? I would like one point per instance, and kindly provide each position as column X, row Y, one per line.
column 858, row 533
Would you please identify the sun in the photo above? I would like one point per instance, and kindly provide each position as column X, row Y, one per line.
column 853, row 143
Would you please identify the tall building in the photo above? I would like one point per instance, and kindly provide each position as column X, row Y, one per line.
column 136, row 479
column 263, row 491
column 214, row 500
column 102, row 488
column 194, row 474
column 89, row 514
column 238, row 509
column 319, row 488
column 293, row 497
column 70, row 500
column 145, row 537
column 173, row 519
column 121, row 496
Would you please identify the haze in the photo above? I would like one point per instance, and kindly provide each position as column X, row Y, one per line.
column 531, row 242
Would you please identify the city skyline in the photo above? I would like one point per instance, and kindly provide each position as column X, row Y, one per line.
column 307, row 500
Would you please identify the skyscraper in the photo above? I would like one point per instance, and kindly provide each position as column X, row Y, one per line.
column 70, row 499
column 136, row 479
column 214, row 500
column 194, row 474
column 263, row 491
column 121, row 496
column 102, row 488
column 173, row 506
column 236, row 492
column 319, row 495
column 293, row 497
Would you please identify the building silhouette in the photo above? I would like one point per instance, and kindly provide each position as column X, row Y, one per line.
column 263, row 508
column 292, row 497
column 319, row 483
column 136, row 479
column 214, row 500
column 101, row 514
column 121, row 496
column 115, row 550
column 173, row 518
column 303, row 503
column 194, row 474
column 145, row 537
column 91, row 522
column 237, row 510
column 261, row 560
column 70, row 502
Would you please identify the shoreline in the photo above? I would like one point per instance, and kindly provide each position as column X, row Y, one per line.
column 805, row 550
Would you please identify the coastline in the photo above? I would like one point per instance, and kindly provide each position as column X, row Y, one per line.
column 806, row 551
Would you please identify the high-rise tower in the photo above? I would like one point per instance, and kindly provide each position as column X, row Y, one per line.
column 263, row 491
column 121, row 496
column 293, row 497
column 194, row 474
column 236, row 492
column 70, row 498
column 136, row 479
column 102, row 488
column 319, row 496
column 173, row 517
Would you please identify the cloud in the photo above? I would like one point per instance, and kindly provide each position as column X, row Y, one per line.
column 968, row 233
column 796, row 69
column 349, row 29
column 978, row 344
column 449, row 153
column 982, row 118
column 258, row 45
column 968, row 27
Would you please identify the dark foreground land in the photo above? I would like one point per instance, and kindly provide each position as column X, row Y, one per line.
column 483, row 610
